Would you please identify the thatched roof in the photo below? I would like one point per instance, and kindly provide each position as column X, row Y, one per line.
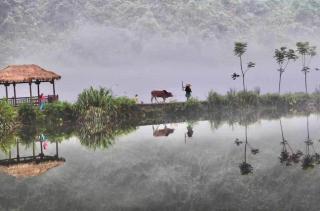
column 30, row 169
column 25, row 74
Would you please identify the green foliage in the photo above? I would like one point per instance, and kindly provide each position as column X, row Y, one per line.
column 7, row 116
column 58, row 112
column 101, row 136
column 284, row 55
column 7, row 140
column 100, row 98
column 240, row 48
column 99, row 105
column 28, row 113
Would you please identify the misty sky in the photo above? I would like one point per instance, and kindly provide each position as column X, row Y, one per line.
column 134, row 47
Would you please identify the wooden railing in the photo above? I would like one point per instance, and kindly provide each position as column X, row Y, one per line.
column 34, row 100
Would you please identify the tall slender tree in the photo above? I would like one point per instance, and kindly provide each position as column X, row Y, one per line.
column 239, row 49
column 306, row 52
column 283, row 56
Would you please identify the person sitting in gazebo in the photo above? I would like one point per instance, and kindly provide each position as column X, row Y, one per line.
column 42, row 102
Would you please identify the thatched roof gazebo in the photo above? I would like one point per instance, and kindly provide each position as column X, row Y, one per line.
column 19, row 74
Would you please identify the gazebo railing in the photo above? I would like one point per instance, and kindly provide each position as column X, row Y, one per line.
column 34, row 100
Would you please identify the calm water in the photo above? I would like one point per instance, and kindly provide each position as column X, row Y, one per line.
column 176, row 172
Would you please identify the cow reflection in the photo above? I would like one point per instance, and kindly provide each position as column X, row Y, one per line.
column 245, row 167
column 287, row 155
column 162, row 132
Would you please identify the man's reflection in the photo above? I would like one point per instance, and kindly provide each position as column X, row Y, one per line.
column 189, row 133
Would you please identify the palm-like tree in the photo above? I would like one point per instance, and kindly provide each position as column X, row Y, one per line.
column 307, row 52
column 239, row 49
column 283, row 56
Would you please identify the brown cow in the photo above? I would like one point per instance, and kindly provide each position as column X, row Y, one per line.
column 162, row 132
column 163, row 94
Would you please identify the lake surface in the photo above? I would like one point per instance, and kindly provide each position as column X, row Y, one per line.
column 165, row 169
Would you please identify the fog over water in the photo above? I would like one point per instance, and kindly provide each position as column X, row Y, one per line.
column 136, row 46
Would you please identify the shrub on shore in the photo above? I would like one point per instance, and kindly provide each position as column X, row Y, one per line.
column 58, row 112
column 28, row 114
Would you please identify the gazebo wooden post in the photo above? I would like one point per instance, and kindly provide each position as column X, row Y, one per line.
column 14, row 94
column 33, row 149
column 57, row 149
column 54, row 88
column 30, row 90
column 6, row 86
column 41, row 153
column 38, row 87
column 18, row 152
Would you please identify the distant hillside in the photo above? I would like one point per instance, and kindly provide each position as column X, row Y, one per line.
column 26, row 24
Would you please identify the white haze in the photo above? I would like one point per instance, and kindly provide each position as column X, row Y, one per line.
column 135, row 57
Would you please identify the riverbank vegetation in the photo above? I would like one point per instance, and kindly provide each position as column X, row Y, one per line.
column 251, row 99
column 100, row 107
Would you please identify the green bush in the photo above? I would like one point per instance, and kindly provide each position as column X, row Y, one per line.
column 59, row 112
column 100, row 98
column 28, row 113
column 7, row 115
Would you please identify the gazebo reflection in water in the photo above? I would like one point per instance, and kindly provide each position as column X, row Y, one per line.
column 33, row 165
column 27, row 74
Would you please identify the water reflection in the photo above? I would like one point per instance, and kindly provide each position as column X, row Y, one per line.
column 165, row 131
column 94, row 135
column 288, row 157
column 245, row 167
column 98, row 135
column 31, row 164
column 311, row 157
column 189, row 133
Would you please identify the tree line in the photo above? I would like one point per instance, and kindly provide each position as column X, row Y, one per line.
column 283, row 56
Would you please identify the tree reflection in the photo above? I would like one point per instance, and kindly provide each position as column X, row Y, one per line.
column 97, row 135
column 311, row 157
column 245, row 167
column 288, row 157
